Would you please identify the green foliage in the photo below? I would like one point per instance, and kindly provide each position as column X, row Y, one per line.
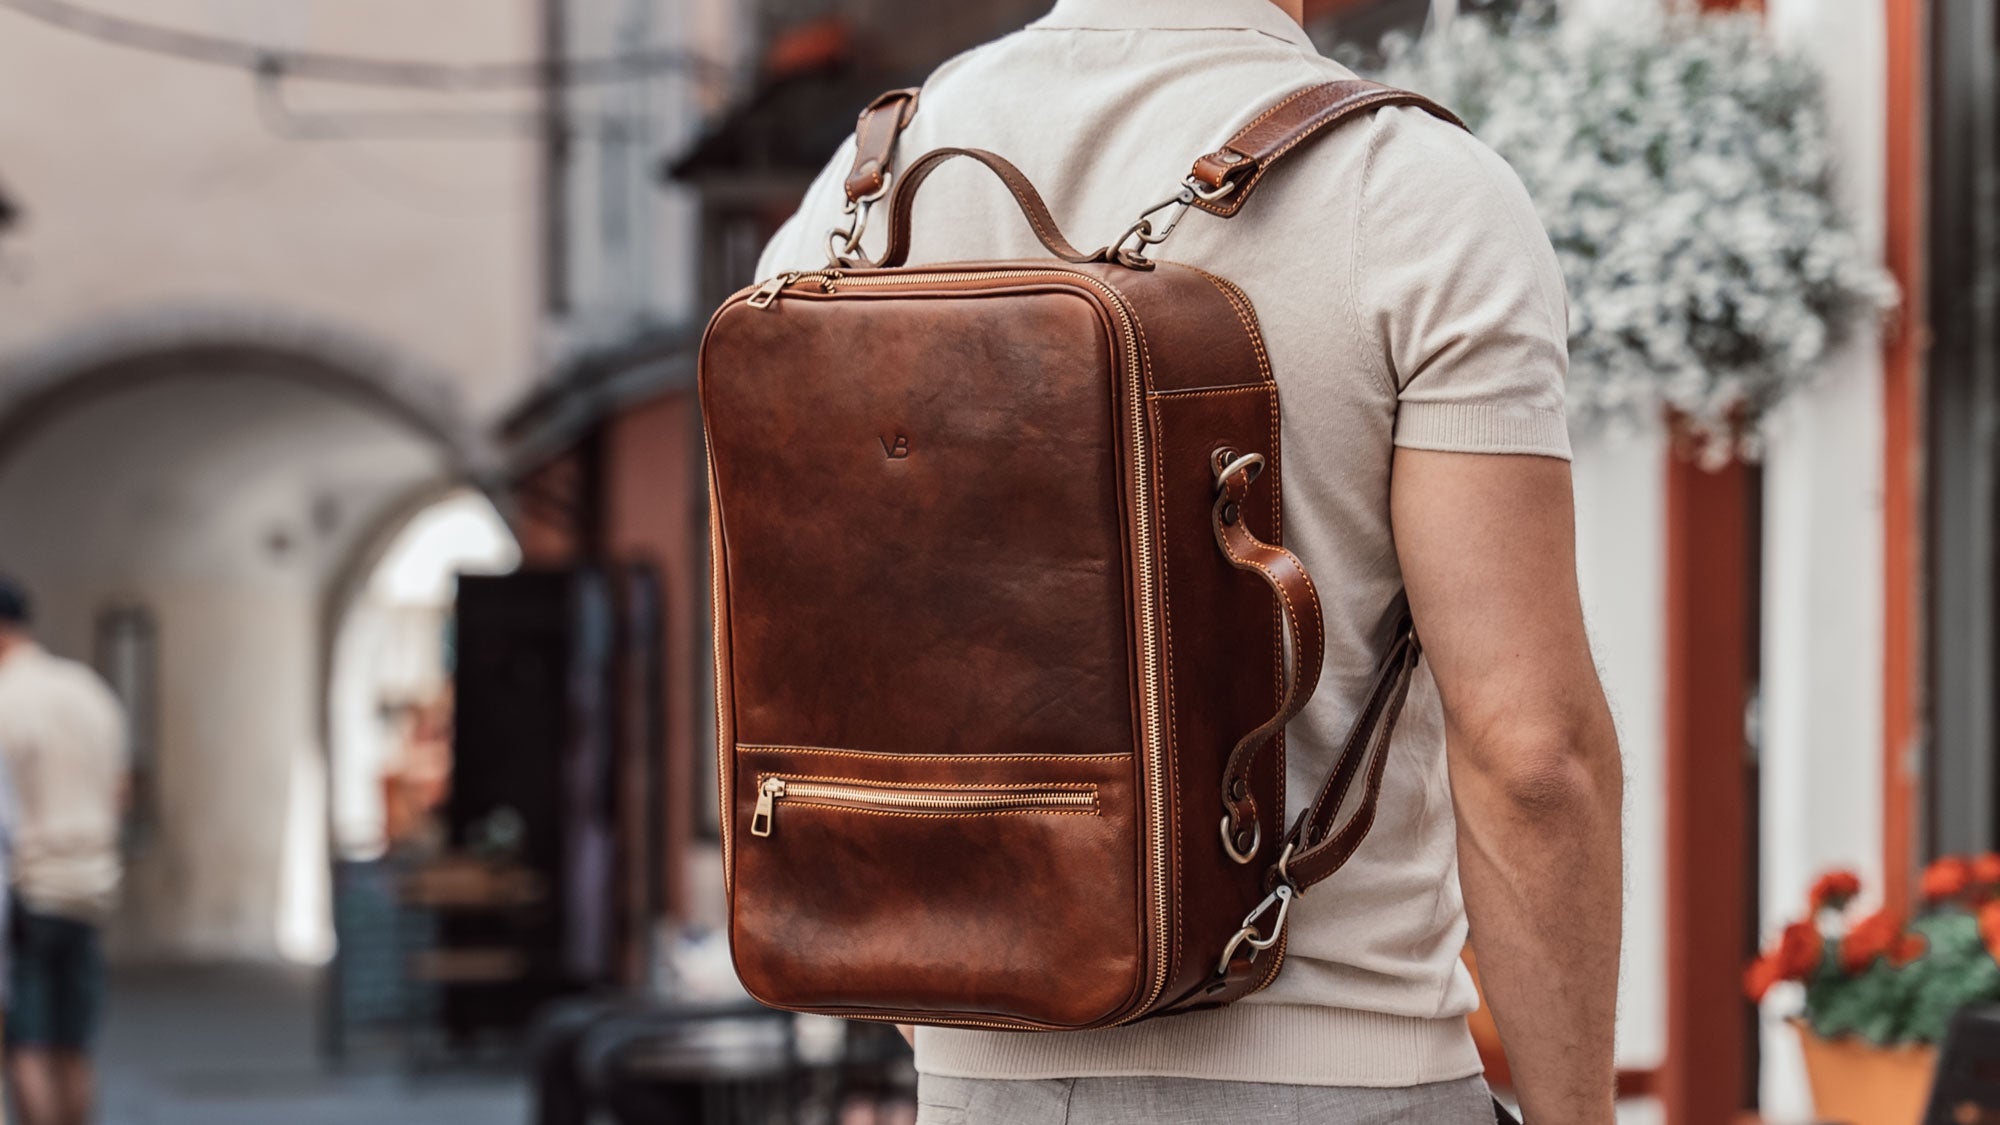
column 1887, row 1005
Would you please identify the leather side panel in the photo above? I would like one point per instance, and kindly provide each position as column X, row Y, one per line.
column 1199, row 331
column 1226, row 660
column 1211, row 384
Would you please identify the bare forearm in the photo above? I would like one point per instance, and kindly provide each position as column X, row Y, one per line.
column 1488, row 547
column 1541, row 868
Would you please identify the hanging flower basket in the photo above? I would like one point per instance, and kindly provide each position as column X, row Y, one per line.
column 1685, row 177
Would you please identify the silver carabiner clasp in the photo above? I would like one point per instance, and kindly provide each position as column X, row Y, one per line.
column 1248, row 935
column 1141, row 234
column 843, row 247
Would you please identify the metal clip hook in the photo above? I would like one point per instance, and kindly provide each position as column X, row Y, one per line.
column 843, row 247
column 1142, row 234
column 1282, row 898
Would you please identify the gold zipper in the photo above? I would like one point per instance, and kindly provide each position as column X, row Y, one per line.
column 724, row 728
column 913, row 799
column 1152, row 722
column 767, row 293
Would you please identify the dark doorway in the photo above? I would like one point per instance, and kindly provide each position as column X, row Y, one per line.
column 1964, row 414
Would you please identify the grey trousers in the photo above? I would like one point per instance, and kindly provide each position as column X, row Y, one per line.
column 1193, row 1101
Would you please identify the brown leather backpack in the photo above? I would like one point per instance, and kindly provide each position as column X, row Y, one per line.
column 1000, row 618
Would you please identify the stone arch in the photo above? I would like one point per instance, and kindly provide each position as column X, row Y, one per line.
column 118, row 353
column 206, row 372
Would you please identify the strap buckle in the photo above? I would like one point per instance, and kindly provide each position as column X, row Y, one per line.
column 1281, row 897
column 1141, row 233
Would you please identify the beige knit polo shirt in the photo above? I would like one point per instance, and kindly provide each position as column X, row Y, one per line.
column 1408, row 296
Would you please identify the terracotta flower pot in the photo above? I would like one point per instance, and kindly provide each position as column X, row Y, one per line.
column 1857, row 1082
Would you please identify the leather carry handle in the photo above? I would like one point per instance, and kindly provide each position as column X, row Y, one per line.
column 903, row 200
column 1298, row 118
column 1219, row 183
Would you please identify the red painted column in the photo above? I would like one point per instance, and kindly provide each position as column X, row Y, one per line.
column 1902, row 445
column 1710, row 570
column 1709, row 632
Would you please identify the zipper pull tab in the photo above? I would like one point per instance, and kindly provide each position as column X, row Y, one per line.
column 767, row 293
column 767, row 798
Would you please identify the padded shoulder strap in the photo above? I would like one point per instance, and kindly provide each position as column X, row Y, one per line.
column 1229, row 174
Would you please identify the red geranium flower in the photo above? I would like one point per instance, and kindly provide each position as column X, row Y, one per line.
column 1836, row 888
column 1878, row 935
column 1908, row 948
column 1759, row 977
column 1989, row 928
column 1947, row 878
column 1798, row 952
column 1986, row 870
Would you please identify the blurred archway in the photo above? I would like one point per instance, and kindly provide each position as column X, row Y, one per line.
column 389, row 702
column 184, row 517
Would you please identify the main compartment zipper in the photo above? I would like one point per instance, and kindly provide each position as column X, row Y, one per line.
column 1152, row 680
column 917, row 799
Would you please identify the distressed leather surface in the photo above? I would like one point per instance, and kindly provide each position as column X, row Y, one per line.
column 921, row 515
column 923, row 497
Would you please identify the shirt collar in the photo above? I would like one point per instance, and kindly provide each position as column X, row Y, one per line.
column 1128, row 15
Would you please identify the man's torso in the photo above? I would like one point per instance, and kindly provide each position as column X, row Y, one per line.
column 1104, row 105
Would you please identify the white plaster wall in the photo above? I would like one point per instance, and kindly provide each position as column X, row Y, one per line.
column 1621, row 555
column 1822, row 768
column 633, row 244
column 1620, row 478
column 150, row 182
column 154, row 194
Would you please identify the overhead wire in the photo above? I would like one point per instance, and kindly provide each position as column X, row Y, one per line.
column 363, row 70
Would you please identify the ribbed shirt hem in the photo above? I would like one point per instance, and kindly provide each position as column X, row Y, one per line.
column 1459, row 427
column 1287, row 1043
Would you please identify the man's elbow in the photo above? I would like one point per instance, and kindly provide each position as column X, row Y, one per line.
column 1555, row 765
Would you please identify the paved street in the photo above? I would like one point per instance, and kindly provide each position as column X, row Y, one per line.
column 236, row 1046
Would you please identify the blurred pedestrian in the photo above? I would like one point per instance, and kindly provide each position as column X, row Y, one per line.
column 63, row 739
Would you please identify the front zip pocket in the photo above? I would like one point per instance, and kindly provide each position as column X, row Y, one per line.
column 917, row 800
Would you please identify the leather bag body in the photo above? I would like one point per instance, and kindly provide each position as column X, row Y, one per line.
column 1001, row 615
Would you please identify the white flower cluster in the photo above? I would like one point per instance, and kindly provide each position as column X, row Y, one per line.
column 1684, row 175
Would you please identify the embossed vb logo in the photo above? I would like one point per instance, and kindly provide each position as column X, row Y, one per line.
column 896, row 450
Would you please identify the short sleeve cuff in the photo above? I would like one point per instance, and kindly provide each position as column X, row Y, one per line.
column 1463, row 427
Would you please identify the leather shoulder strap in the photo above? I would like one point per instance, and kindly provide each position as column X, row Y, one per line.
column 875, row 136
column 1229, row 174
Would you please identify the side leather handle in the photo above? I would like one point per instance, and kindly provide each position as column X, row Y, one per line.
column 1314, row 848
column 903, row 199
column 1229, row 174
column 1242, row 828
